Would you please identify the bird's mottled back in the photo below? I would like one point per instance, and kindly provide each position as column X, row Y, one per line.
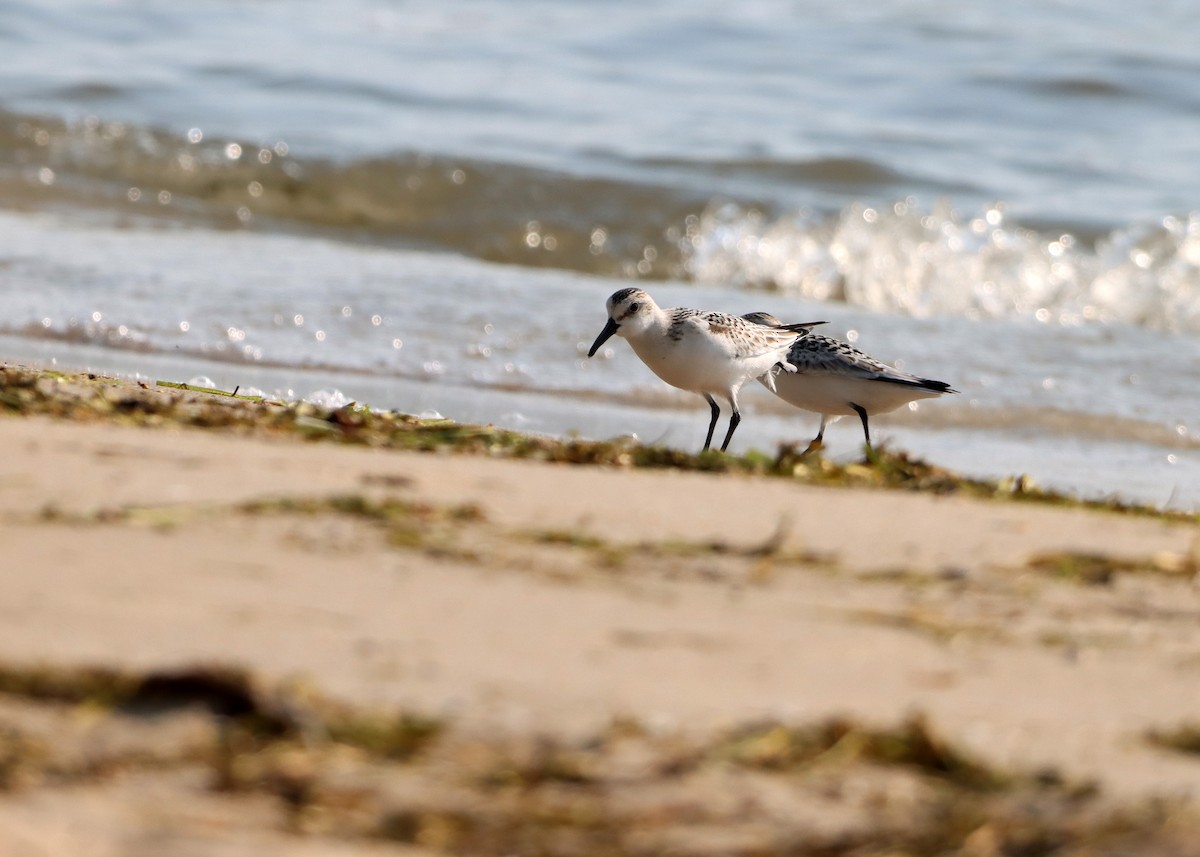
column 741, row 337
column 829, row 354
column 823, row 354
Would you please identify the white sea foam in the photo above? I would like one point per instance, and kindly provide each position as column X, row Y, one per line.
column 328, row 398
column 904, row 259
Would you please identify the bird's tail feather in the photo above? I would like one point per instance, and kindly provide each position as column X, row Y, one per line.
column 920, row 383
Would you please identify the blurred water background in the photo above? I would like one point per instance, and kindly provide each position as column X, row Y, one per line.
column 423, row 206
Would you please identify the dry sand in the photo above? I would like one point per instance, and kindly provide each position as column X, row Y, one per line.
column 569, row 596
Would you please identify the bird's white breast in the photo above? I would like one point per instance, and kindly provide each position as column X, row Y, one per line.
column 697, row 359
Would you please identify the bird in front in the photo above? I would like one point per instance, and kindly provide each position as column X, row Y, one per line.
column 709, row 353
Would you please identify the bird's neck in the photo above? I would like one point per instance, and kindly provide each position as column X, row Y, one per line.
column 653, row 327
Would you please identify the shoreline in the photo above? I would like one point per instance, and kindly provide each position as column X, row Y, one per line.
column 82, row 395
column 624, row 614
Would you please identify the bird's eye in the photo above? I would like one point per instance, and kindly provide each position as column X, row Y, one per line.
column 635, row 306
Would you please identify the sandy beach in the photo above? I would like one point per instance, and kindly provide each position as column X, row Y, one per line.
column 607, row 659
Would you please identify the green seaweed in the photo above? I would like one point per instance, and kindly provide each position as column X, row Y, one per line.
column 196, row 388
column 90, row 397
column 778, row 747
column 1096, row 569
column 1183, row 739
column 397, row 737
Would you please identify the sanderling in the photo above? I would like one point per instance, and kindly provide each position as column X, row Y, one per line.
column 835, row 379
column 702, row 352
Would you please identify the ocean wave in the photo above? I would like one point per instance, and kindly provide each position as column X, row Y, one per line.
column 501, row 212
column 893, row 257
column 840, row 175
column 904, row 259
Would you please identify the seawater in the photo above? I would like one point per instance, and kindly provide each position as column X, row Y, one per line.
column 423, row 207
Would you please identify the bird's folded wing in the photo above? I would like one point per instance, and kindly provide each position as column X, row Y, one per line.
column 744, row 339
column 822, row 355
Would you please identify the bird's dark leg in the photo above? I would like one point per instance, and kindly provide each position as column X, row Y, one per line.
column 862, row 415
column 817, row 442
column 716, row 412
column 734, row 419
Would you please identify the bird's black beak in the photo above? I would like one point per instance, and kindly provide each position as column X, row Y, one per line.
column 609, row 330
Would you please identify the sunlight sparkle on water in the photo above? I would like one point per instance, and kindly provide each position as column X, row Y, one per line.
column 329, row 398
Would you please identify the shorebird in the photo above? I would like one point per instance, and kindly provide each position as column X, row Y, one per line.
column 709, row 353
column 835, row 379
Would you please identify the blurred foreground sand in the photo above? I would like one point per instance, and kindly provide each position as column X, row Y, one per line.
column 535, row 601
